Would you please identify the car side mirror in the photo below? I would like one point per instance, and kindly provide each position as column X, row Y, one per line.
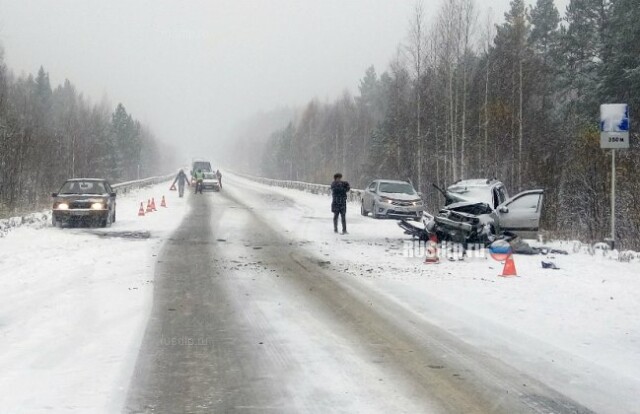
column 504, row 209
column 54, row 194
column 113, row 194
column 419, row 194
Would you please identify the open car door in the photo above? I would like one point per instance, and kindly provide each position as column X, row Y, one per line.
column 521, row 214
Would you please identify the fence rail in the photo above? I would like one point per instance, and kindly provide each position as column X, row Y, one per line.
column 124, row 188
column 354, row 195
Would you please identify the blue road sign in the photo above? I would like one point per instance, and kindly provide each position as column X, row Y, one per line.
column 614, row 126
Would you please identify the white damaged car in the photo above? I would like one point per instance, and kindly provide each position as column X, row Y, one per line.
column 478, row 210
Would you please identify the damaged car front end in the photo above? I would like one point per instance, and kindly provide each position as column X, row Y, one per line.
column 465, row 222
column 478, row 211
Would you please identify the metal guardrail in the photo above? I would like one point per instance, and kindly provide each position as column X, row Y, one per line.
column 354, row 195
column 125, row 187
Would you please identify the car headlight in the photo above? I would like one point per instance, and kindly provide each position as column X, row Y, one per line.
column 417, row 203
column 62, row 206
column 386, row 200
column 97, row 206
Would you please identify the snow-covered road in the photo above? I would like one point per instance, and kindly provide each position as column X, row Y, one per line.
column 302, row 319
column 245, row 318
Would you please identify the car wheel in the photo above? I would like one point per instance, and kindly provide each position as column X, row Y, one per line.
column 491, row 237
column 106, row 222
column 55, row 222
column 374, row 208
column 492, row 234
column 362, row 210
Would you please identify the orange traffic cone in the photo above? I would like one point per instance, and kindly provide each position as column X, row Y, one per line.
column 432, row 250
column 173, row 187
column 149, row 208
column 163, row 203
column 141, row 211
column 509, row 269
column 153, row 204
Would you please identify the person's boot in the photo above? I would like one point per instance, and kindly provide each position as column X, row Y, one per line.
column 335, row 230
column 344, row 231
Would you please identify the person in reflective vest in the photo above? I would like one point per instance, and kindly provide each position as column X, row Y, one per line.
column 199, row 175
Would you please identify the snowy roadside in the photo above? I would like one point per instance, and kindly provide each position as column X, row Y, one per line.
column 35, row 220
column 75, row 306
column 575, row 328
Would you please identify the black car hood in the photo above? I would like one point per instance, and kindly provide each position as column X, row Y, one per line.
column 82, row 197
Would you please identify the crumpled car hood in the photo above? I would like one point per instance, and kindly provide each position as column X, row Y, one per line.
column 470, row 208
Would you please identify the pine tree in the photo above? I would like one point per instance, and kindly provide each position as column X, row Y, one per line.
column 622, row 68
column 368, row 89
column 511, row 47
column 544, row 40
column 122, row 130
column 545, row 21
column 583, row 45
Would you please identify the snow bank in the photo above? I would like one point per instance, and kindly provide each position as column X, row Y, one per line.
column 34, row 220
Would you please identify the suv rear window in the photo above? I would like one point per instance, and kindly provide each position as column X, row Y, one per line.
column 202, row 165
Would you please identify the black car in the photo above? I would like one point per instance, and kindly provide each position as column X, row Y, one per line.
column 84, row 200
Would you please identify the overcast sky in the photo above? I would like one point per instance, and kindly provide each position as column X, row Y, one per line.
column 192, row 70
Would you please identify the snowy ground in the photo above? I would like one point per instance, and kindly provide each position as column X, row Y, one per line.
column 74, row 307
column 575, row 329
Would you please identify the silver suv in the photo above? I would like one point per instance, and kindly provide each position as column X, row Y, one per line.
column 392, row 199
column 479, row 209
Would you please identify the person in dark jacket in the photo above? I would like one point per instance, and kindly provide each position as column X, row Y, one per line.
column 339, row 191
column 181, row 179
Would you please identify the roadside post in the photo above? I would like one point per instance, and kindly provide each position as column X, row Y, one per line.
column 614, row 134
